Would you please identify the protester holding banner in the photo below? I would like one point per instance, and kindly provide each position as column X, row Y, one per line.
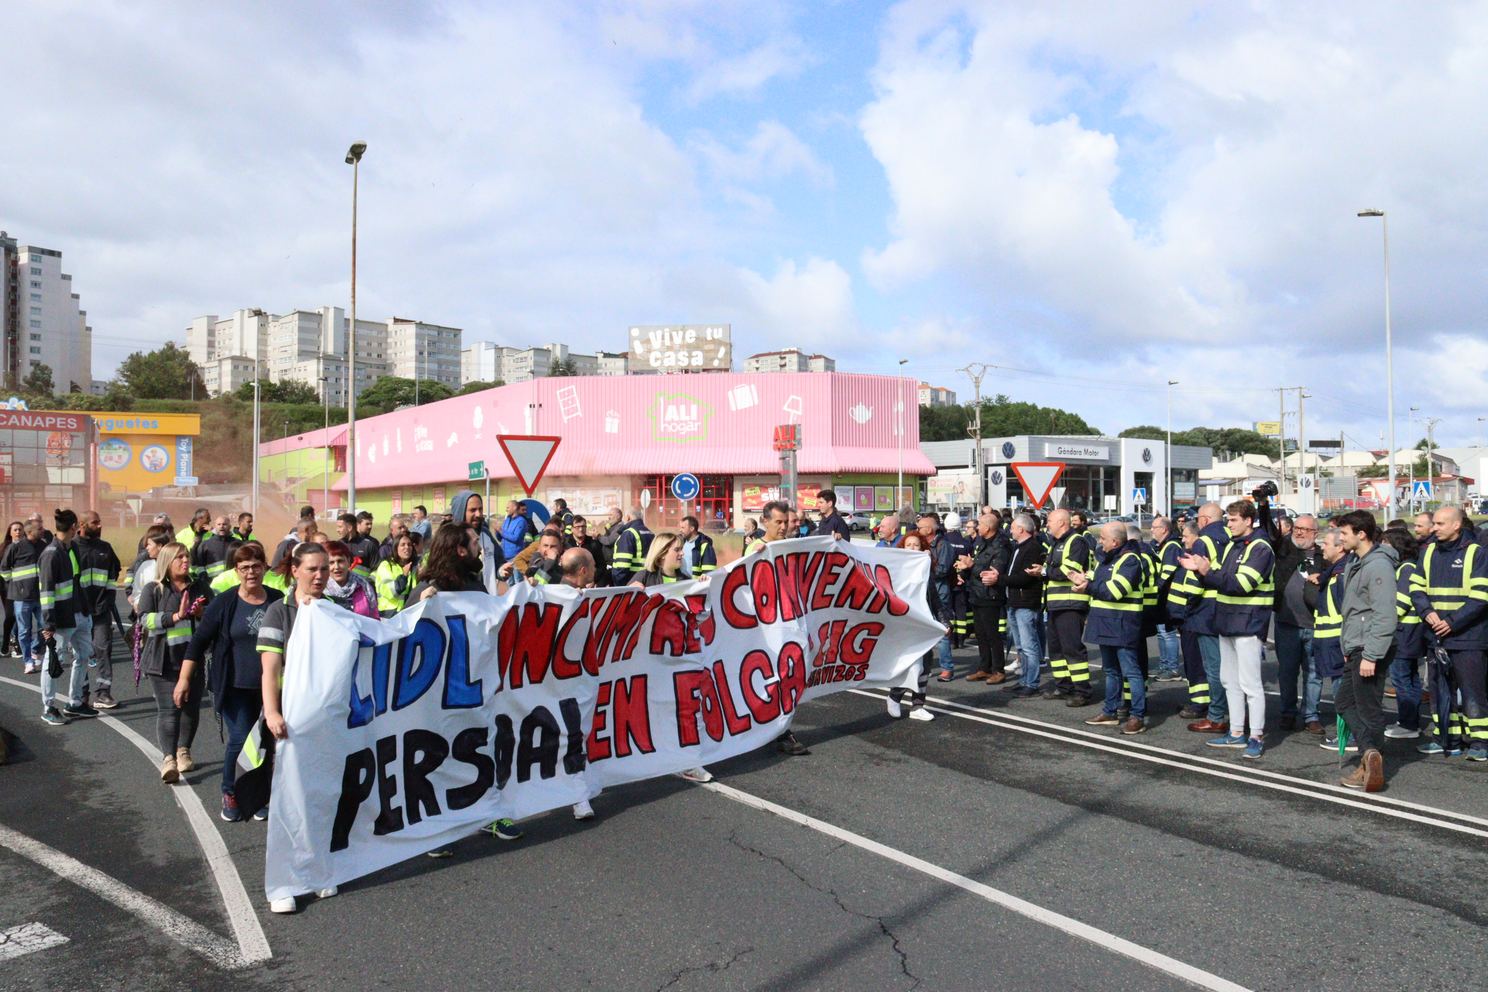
column 914, row 542
column 345, row 587
column 397, row 575
column 663, row 562
column 452, row 565
column 774, row 519
column 229, row 629
column 169, row 609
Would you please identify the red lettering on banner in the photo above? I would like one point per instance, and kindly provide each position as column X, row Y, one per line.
column 789, row 571
column 669, row 632
column 624, row 617
column 885, row 583
column 598, row 744
column 766, row 591
column 565, row 667
column 736, row 579
column 631, row 718
column 764, row 705
column 527, row 650
column 857, row 588
column 703, row 625
column 821, row 598
column 650, row 607
column 736, row 724
column 696, row 694
column 792, row 669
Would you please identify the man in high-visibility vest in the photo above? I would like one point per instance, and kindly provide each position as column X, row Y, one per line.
column 1199, row 619
column 774, row 521
column 1116, row 599
column 1165, row 549
column 631, row 548
column 1327, row 623
column 1450, row 593
column 1069, row 552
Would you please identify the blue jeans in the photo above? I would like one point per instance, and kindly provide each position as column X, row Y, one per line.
column 1294, row 660
column 75, row 646
column 28, row 630
column 1219, row 707
column 1121, row 664
column 1024, row 624
column 1405, row 676
column 240, row 709
column 1167, row 649
column 943, row 654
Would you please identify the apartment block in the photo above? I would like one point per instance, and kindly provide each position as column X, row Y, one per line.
column 41, row 319
column 789, row 360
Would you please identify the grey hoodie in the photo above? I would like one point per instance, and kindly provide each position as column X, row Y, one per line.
column 1369, row 604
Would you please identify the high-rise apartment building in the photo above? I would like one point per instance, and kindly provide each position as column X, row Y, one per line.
column 41, row 319
column 416, row 350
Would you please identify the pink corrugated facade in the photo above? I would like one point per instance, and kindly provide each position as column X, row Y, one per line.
column 639, row 425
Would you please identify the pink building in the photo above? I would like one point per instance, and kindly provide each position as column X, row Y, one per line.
column 625, row 435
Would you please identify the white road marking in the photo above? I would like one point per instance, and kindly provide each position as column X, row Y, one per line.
column 28, row 938
column 1084, row 931
column 1202, row 766
column 183, row 930
column 253, row 946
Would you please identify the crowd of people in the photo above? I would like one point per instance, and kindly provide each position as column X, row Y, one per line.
column 1360, row 606
column 1357, row 605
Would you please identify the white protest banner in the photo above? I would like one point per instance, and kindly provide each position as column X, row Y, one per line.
column 409, row 733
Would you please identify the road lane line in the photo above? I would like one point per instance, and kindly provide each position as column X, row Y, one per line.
column 1311, row 792
column 28, row 938
column 1084, row 931
column 1367, row 797
column 253, row 946
column 182, row 929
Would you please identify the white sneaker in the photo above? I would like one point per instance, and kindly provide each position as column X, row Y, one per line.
column 1397, row 732
column 895, row 709
column 286, row 905
column 920, row 713
column 31, row 669
column 327, row 893
column 582, row 810
column 698, row 774
column 1016, row 668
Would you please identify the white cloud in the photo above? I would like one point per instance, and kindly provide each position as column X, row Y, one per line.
column 747, row 74
column 807, row 306
column 1167, row 178
column 773, row 152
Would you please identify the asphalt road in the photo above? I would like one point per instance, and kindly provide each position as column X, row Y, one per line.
column 1002, row 846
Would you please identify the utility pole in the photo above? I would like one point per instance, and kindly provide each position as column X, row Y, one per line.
column 1301, row 434
column 1281, row 437
column 975, row 371
column 1431, row 423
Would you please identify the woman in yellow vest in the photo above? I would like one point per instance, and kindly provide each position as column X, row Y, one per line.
column 397, row 575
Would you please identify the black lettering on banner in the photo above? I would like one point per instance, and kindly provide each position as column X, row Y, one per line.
column 356, row 785
column 506, row 747
column 470, row 749
column 537, row 745
column 573, row 725
column 389, row 817
column 423, row 751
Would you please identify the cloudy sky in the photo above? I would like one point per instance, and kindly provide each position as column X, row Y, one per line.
column 1096, row 197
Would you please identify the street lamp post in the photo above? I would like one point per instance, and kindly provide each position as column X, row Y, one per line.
column 1168, row 455
column 325, row 440
column 257, row 437
column 353, row 159
column 899, row 492
column 1389, row 361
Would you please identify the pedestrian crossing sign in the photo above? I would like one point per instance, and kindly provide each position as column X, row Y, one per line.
column 1139, row 495
column 1421, row 489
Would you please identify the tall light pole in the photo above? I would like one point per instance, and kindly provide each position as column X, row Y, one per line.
column 899, row 491
column 257, row 436
column 975, row 371
column 1168, row 455
column 1389, row 360
column 353, row 159
column 325, row 439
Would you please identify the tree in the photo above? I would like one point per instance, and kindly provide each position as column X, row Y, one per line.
column 167, row 373
column 390, row 392
column 1221, row 441
column 478, row 387
column 286, row 391
column 1001, row 417
column 38, row 380
column 563, row 367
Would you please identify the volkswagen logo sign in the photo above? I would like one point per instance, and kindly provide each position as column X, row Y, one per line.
column 1008, row 450
column 1147, row 455
column 996, row 477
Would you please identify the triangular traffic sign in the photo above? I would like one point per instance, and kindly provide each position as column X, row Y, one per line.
column 528, row 455
column 1037, row 478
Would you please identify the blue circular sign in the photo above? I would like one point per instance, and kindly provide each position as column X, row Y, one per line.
column 685, row 486
column 1008, row 449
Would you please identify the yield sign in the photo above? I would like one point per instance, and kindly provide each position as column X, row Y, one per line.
column 528, row 455
column 1037, row 478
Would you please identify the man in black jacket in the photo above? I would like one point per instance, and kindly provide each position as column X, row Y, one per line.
column 63, row 623
column 1023, row 586
column 831, row 521
column 981, row 572
column 100, row 568
column 1297, row 557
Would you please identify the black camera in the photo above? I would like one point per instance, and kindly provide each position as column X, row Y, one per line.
column 1264, row 491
